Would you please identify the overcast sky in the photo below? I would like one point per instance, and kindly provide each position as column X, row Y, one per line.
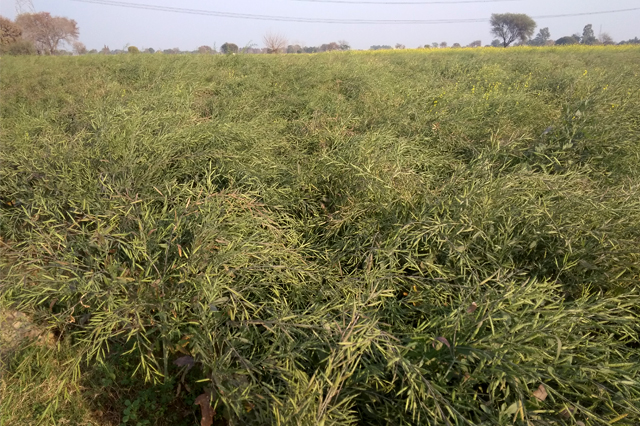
column 117, row 26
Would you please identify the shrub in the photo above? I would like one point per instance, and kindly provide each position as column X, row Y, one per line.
column 133, row 49
column 19, row 47
column 566, row 40
column 229, row 48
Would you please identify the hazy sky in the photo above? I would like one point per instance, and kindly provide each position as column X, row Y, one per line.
column 117, row 26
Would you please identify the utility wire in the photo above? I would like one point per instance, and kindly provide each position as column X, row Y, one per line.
column 386, row 3
column 325, row 20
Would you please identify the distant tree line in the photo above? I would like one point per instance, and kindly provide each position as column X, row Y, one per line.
column 519, row 28
column 44, row 34
column 272, row 46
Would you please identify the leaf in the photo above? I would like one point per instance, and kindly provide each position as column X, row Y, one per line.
column 207, row 412
column 617, row 419
column 513, row 408
column 471, row 309
column 567, row 413
column 444, row 341
column 541, row 393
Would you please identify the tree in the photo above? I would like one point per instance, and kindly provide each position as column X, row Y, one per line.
column 443, row 44
column 275, row 43
column 381, row 47
column 9, row 32
column 205, row 50
column 295, row 48
column 476, row 43
column 588, row 36
column 635, row 40
column 229, row 48
column 511, row 27
column 456, row 45
column 46, row 32
column 330, row 47
column 434, row 45
column 566, row 40
column 400, row 46
column 541, row 38
column 606, row 39
column 105, row 50
column 133, row 50
column 79, row 48
column 344, row 45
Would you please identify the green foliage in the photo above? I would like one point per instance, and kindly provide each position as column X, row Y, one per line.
column 566, row 40
column 403, row 237
column 588, row 36
column 229, row 48
column 382, row 47
column 133, row 49
column 541, row 39
column 635, row 40
column 510, row 27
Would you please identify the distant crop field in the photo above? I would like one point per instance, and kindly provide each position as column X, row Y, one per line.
column 378, row 238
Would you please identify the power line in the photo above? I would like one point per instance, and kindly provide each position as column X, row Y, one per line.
column 325, row 20
column 386, row 3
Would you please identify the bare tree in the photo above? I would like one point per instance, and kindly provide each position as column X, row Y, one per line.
column 79, row 48
column 275, row 43
column 606, row 39
column 46, row 31
column 24, row 6
column 400, row 46
column 330, row 47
